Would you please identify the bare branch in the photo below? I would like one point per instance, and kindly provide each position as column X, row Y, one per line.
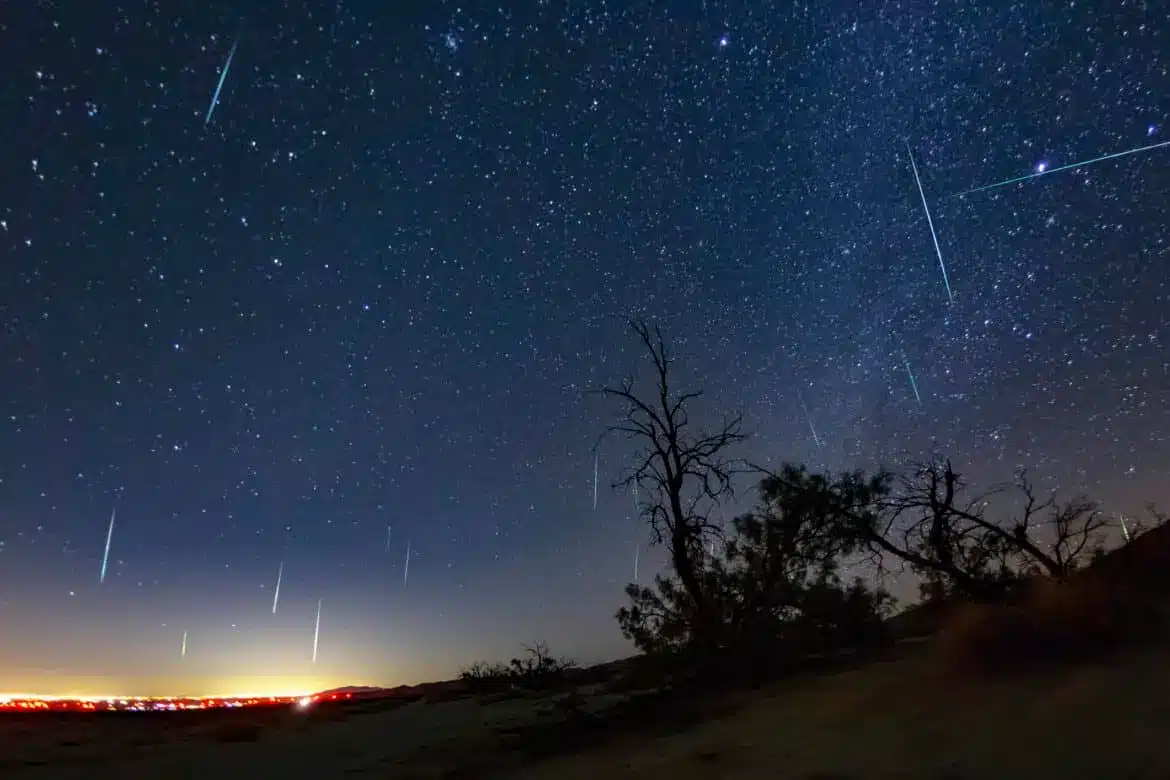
column 684, row 475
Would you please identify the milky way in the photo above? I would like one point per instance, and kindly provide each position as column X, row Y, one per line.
column 378, row 287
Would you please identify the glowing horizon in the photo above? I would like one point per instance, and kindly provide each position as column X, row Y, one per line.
column 242, row 690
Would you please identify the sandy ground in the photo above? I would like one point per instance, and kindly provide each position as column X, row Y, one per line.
column 898, row 719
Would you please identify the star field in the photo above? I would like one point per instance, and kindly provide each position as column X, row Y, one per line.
column 372, row 285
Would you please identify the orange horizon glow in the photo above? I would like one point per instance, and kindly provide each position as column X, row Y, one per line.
column 33, row 703
column 224, row 690
column 8, row 697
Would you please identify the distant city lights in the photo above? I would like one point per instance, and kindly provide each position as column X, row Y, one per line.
column 33, row 703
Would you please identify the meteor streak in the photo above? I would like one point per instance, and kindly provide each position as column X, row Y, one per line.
column 183, row 649
column 1070, row 166
column 109, row 538
column 596, row 455
column 637, row 553
column 317, row 631
column 808, row 417
column 406, row 566
column 387, row 538
column 929, row 221
column 913, row 381
column 276, row 595
column 222, row 76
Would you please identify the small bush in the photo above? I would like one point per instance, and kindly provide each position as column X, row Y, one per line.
column 1053, row 623
column 537, row 668
column 482, row 670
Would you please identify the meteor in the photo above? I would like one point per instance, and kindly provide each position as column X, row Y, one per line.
column 1070, row 166
column 596, row 455
column 930, row 222
column 183, row 650
column 317, row 631
column 276, row 595
column 109, row 538
column 808, row 417
column 913, row 381
column 637, row 553
column 222, row 76
column 406, row 566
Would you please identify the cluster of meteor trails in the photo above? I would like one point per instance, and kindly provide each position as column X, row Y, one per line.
column 1041, row 171
column 279, row 579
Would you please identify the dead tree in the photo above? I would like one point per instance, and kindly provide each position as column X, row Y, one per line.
column 932, row 524
column 683, row 473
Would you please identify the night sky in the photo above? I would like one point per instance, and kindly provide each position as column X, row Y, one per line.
column 375, row 288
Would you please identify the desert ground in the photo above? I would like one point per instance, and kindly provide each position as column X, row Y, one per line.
column 898, row 717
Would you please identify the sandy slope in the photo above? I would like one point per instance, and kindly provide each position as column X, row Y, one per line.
column 900, row 719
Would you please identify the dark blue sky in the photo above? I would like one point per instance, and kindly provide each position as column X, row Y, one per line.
column 375, row 287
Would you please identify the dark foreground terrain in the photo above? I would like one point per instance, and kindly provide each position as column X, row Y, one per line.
column 902, row 717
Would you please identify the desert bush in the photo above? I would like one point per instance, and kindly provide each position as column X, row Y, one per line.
column 536, row 668
column 774, row 596
column 482, row 670
column 1052, row 623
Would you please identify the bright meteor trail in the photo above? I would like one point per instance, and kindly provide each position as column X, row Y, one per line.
column 930, row 222
column 222, row 75
column 109, row 538
column 812, row 428
column 276, row 595
column 913, row 381
column 596, row 455
column 406, row 566
column 1081, row 164
column 317, row 631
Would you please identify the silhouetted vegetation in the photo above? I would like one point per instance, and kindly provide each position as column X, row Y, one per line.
column 776, row 589
column 950, row 537
column 536, row 668
column 772, row 589
column 683, row 474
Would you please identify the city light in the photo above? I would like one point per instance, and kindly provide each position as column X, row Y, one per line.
column 33, row 703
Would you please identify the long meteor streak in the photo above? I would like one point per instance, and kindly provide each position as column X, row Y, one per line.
column 317, row 631
column 109, row 538
column 406, row 566
column 387, row 538
column 637, row 554
column 930, row 221
column 276, row 595
column 183, row 649
column 913, row 381
column 808, row 417
column 596, row 455
column 222, row 76
column 1070, row 166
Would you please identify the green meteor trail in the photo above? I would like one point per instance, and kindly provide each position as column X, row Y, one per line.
column 1082, row 164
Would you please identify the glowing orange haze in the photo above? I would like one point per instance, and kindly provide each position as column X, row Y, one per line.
column 230, row 688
